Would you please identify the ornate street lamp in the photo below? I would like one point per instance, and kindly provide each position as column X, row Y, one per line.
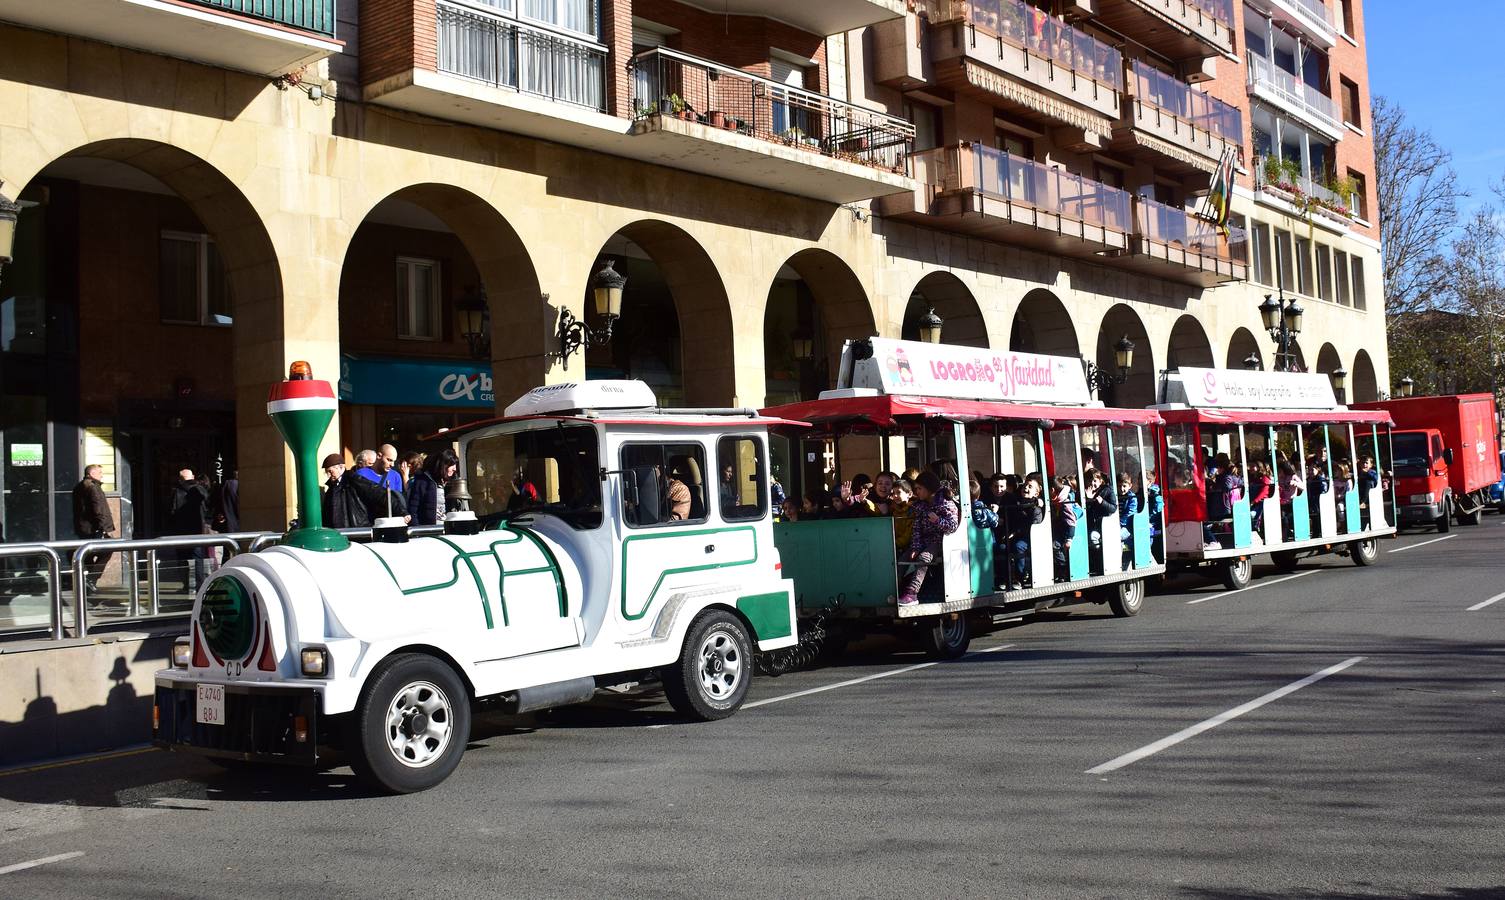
column 930, row 326
column 803, row 345
column 1282, row 319
column 1339, row 379
column 1252, row 362
column 472, row 317
column 606, row 289
column 9, row 212
column 1099, row 379
column 1407, row 386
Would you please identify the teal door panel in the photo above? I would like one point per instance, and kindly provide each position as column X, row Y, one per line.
column 1243, row 524
column 1139, row 526
column 1351, row 512
column 980, row 542
column 1301, row 517
column 1076, row 558
column 845, row 562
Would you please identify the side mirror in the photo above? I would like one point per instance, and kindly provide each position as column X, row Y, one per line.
column 1447, row 456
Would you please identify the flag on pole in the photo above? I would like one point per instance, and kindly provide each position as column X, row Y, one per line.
column 1220, row 192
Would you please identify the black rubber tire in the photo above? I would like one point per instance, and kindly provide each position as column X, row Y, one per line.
column 1127, row 598
column 1445, row 522
column 1285, row 560
column 948, row 637
column 1365, row 552
column 1237, row 573
column 1470, row 518
column 370, row 755
column 687, row 692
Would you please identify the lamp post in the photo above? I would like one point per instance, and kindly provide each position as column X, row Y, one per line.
column 606, row 291
column 1407, row 386
column 1099, row 379
column 1252, row 362
column 9, row 212
column 930, row 326
column 1282, row 319
column 472, row 316
column 1339, row 379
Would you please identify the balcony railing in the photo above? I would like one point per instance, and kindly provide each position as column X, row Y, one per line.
column 676, row 85
column 507, row 53
column 1222, row 10
column 1175, row 97
column 1292, row 90
column 1175, row 227
column 1324, row 15
column 1003, row 176
column 1036, row 31
column 306, row 15
column 1301, row 187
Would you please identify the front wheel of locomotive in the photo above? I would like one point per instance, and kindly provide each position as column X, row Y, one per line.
column 1365, row 552
column 711, row 677
column 411, row 724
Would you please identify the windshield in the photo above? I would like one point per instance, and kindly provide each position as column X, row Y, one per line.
column 554, row 470
column 1411, row 454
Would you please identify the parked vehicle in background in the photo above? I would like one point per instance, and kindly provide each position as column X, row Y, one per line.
column 1497, row 490
column 1447, row 457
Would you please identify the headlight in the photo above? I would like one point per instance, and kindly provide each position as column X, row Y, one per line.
column 182, row 651
column 1429, row 498
column 315, row 662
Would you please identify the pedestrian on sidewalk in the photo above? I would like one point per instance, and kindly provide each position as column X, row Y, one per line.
column 189, row 515
column 92, row 519
column 380, row 466
column 425, row 498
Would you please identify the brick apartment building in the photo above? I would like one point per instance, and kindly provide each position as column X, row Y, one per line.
column 408, row 192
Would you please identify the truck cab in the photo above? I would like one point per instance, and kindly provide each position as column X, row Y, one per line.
column 1421, row 478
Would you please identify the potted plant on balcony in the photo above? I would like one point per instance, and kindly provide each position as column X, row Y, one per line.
column 715, row 118
column 666, row 105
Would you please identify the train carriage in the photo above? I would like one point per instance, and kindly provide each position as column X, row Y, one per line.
column 1330, row 467
column 956, row 410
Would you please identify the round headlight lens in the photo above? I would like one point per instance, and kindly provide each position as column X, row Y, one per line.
column 227, row 616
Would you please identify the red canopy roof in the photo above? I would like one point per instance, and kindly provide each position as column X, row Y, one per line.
column 667, row 420
column 1276, row 416
column 884, row 411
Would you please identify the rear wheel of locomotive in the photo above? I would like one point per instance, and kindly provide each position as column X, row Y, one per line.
column 715, row 668
column 947, row 637
column 411, row 724
column 1237, row 573
column 1365, row 552
column 1127, row 598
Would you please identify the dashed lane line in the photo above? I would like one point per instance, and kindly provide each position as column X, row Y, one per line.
column 1134, row 756
column 1446, row 537
column 1253, row 587
column 46, row 860
column 1478, row 606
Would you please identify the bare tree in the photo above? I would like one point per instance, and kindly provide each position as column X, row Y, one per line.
column 1418, row 206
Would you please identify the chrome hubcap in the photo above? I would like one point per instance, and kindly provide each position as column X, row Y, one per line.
column 420, row 722
column 1132, row 594
column 953, row 631
column 721, row 665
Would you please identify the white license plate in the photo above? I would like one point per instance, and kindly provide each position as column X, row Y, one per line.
column 210, row 707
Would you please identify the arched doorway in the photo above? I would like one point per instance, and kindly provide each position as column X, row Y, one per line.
column 133, row 261
column 962, row 322
column 1241, row 347
column 1042, row 325
column 1138, row 389
column 1329, row 362
column 1366, row 386
column 414, row 362
column 1189, row 345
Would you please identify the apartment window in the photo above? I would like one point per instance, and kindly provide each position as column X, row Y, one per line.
column 1358, row 203
column 1283, row 261
column 788, row 116
column 1324, row 273
column 1345, row 7
column 418, row 299
column 1340, row 264
column 191, row 284
column 1256, row 32
column 927, row 124
column 1360, row 300
column 1350, row 103
column 1112, row 176
column 1263, row 269
column 1015, row 145
column 579, row 16
column 1304, row 267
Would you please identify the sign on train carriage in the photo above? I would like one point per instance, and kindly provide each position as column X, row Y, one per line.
column 915, row 368
column 1240, row 389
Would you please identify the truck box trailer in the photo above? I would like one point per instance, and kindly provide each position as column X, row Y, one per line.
column 1446, row 456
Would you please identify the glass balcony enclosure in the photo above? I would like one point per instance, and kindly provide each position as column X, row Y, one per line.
column 1177, row 227
column 1171, row 95
column 1284, row 69
column 1000, row 175
column 1036, row 31
column 488, row 40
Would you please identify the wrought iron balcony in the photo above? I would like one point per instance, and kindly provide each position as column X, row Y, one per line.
column 316, row 16
column 508, row 53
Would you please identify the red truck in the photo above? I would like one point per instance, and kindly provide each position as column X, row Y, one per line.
column 1446, row 457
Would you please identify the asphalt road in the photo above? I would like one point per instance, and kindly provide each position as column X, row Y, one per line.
column 1382, row 777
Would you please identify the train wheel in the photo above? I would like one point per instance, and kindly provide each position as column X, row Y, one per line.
column 1285, row 560
column 1238, row 573
column 412, row 723
column 1127, row 598
column 1365, row 552
column 948, row 637
column 711, row 678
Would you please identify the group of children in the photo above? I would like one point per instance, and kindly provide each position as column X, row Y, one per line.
column 1226, row 485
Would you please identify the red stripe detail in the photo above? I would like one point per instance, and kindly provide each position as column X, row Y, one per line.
column 200, row 661
column 300, row 390
column 267, row 663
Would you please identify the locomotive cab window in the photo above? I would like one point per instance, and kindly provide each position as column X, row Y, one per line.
column 553, row 471
column 740, row 489
column 663, row 484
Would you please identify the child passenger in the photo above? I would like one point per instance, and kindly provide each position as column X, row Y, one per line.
column 934, row 516
column 1025, row 510
column 983, row 515
column 899, row 509
column 1066, row 513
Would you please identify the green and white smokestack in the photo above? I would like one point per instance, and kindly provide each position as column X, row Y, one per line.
column 303, row 409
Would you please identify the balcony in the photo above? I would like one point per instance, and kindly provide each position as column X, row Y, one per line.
column 701, row 116
column 263, row 37
column 1313, row 18
column 1022, row 59
column 1188, row 127
column 823, row 17
column 1178, row 29
column 1172, row 243
column 1275, row 85
column 1301, row 195
column 974, row 189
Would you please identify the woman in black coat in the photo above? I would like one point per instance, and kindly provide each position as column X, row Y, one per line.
column 426, row 489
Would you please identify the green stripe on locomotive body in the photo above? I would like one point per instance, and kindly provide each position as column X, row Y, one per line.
column 768, row 613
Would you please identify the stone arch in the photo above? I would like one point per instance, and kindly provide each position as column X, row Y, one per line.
column 1189, row 345
column 1042, row 325
column 1328, row 360
column 1366, row 386
column 252, row 357
column 1138, row 389
column 958, row 309
column 815, row 295
column 1240, row 346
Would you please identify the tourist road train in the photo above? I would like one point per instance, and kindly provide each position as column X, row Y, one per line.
column 611, row 543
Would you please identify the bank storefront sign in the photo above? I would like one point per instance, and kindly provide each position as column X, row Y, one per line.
column 375, row 381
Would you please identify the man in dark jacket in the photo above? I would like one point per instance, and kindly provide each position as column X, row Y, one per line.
column 188, row 514
column 227, row 505
column 351, row 501
column 92, row 519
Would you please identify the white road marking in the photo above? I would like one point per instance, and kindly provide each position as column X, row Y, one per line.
column 1252, row 587
column 1446, row 537
column 6, row 870
column 1478, row 606
column 849, row 682
column 1134, row 756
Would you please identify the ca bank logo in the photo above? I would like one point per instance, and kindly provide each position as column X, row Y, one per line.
column 459, row 386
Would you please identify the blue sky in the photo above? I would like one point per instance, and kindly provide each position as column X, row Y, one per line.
column 1444, row 63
